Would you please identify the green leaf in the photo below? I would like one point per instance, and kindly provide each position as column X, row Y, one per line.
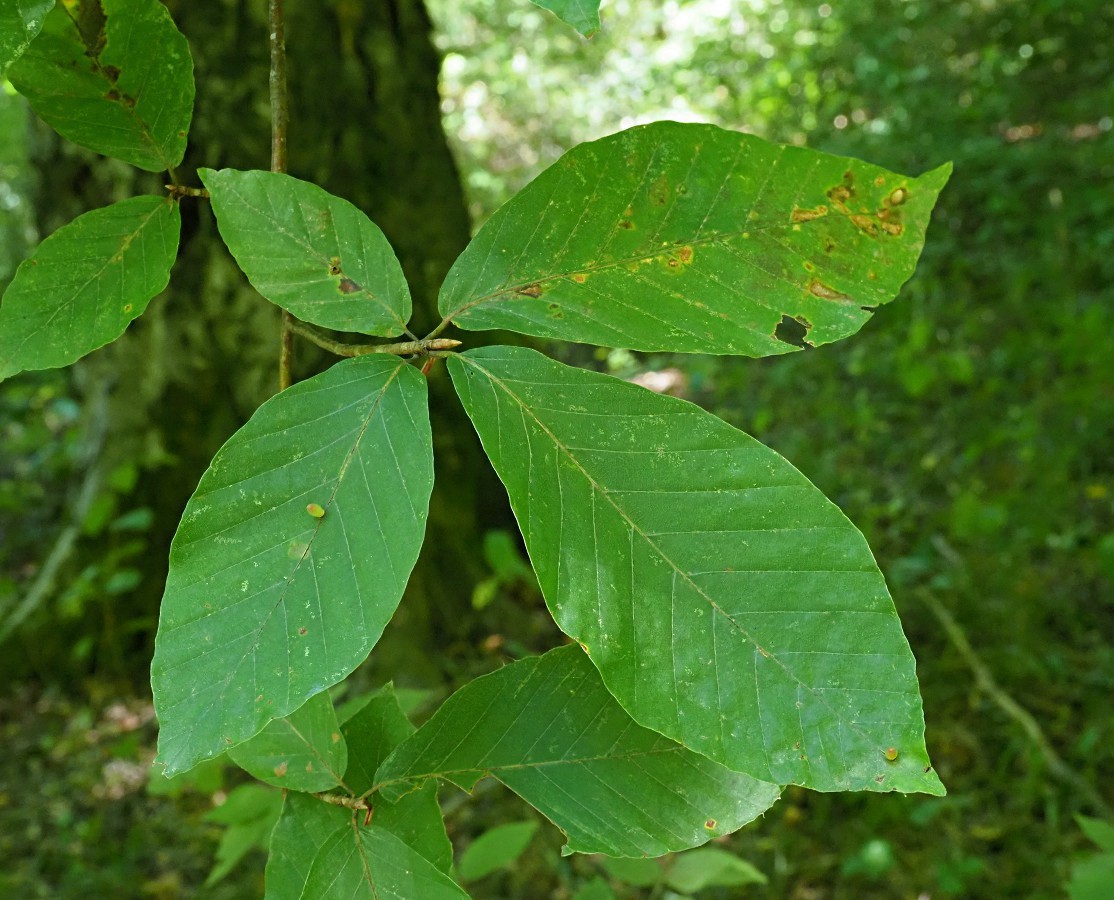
column 710, row 867
column 86, row 282
column 325, row 852
column 583, row 15
column 301, row 752
column 495, row 849
column 20, row 21
column 115, row 76
column 1091, row 877
column 309, row 252
column 690, row 238
column 250, row 814
column 727, row 603
column 372, row 734
column 548, row 729
column 638, row 872
column 1102, row 833
column 596, row 889
column 267, row 605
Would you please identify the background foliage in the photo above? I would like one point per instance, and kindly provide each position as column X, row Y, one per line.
column 968, row 430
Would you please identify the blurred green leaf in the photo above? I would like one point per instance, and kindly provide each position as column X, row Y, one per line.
column 690, row 238
column 309, row 252
column 85, row 283
column 1099, row 831
column 710, row 867
column 637, row 872
column 115, row 76
column 250, row 814
column 583, row 15
column 206, row 778
column 495, row 849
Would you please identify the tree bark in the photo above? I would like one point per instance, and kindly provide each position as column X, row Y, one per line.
column 365, row 124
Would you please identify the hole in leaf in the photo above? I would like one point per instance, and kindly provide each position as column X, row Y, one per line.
column 793, row 331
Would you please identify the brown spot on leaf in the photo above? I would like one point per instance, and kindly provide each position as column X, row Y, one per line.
column 710, row 824
column 821, row 290
column 807, row 215
column 829, row 244
column 891, row 754
column 579, row 277
column 303, row 630
column 879, row 181
column 127, row 307
column 659, row 191
column 335, row 737
column 531, row 290
column 334, row 266
column 112, row 73
column 626, row 224
column 309, row 767
column 894, row 228
column 685, row 255
column 280, row 769
column 112, row 95
column 348, row 286
column 865, row 224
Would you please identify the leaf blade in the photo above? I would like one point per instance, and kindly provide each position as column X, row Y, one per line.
column 548, row 729
column 304, row 751
column 416, row 818
column 283, row 604
column 309, row 252
column 678, row 564
column 116, row 77
column 86, row 282
column 689, row 238
column 324, row 852
column 19, row 23
column 583, row 15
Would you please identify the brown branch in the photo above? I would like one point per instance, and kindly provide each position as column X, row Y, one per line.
column 988, row 684
column 280, row 117
column 340, row 348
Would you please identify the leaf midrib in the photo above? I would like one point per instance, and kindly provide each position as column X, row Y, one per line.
column 598, row 489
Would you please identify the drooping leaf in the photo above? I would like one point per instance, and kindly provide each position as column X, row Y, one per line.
column 115, row 76
column 309, row 252
column 267, row 605
column 727, row 603
column 689, row 238
column 249, row 815
column 303, row 751
column 372, row 734
column 85, row 283
column 20, row 21
column 583, row 15
column 496, row 849
column 548, row 729
column 321, row 852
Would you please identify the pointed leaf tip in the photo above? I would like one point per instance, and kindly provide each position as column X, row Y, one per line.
column 266, row 605
column 725, row 601
column 688, row 238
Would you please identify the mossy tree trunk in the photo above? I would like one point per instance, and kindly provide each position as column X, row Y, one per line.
column 365, row 124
